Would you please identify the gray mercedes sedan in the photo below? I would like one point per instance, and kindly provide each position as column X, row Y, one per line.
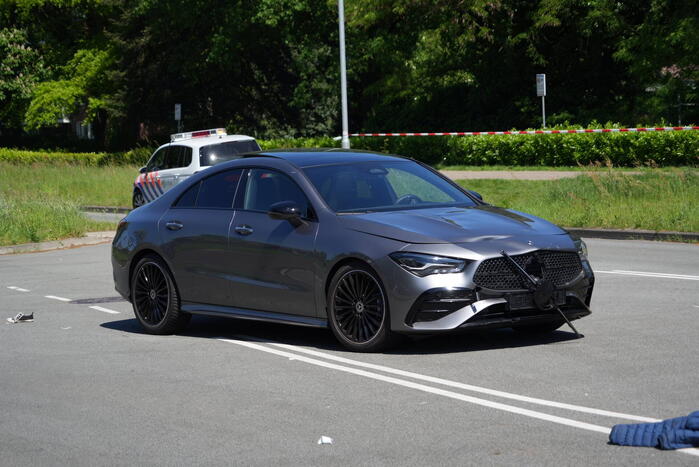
column 370, row 245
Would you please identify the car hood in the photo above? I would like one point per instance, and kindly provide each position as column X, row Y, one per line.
column 451, row 224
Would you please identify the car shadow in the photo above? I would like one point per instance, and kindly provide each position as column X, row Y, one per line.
column 207, row 327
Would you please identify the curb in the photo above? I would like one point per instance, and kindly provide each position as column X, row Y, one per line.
column 109, row 209
column 91, row 238
column 619, row 234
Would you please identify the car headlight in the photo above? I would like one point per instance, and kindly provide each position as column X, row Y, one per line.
column 424, row 265
column 582, row 248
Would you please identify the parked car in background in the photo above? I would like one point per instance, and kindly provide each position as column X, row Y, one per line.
column 184, row 155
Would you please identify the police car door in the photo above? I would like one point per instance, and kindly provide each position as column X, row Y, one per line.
column 169, row 175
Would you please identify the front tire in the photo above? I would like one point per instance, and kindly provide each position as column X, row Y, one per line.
column 156, row 302
column 138, row 199
column 358, row 312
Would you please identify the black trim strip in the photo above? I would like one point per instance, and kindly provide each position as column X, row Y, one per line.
column 254, row 315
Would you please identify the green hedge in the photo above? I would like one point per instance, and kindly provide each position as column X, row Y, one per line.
column 136, row 156
column 677, row 148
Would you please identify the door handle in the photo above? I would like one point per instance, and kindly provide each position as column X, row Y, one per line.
column 243, row 230
column 174, row 225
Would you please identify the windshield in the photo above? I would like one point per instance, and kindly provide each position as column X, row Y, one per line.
column 216, row 153
column 383, row 186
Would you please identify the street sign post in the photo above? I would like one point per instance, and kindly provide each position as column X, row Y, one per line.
column 178, row 116
column 541, row 92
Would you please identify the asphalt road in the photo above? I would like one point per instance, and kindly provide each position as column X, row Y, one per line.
column 84, row 386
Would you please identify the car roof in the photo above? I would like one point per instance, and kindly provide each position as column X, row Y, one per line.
column 325, row 156
column 207, row 140
column 214, row 139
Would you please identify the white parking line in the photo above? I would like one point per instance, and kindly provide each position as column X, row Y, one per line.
column 437, row 391
column 106, row 310
column 659, row 275
column 53, row 297
column 425, row 388
column 467, row 387
column 18, row 289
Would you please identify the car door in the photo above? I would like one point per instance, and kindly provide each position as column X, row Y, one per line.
column 195, row 238
column 149, row 181
column 170, row 172
column 273, row 260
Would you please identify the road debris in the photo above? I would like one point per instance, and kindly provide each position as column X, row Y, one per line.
column 325, row 440
column 21, row 318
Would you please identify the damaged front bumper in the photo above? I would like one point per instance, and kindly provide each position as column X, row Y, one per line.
column 485, row 312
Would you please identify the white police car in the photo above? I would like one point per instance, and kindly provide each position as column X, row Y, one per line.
column 184, row 155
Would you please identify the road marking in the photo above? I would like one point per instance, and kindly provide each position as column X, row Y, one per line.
column 467, row 387
column 424, row 388
column 441, row 392
column 53, row 297
column 652, row 274
column 18, row 289
column 106, row 310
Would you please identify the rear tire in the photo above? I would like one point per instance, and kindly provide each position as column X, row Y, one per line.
column 156, row 302
column 358, row 312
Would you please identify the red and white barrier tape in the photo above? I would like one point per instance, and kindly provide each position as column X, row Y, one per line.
column 535, row 132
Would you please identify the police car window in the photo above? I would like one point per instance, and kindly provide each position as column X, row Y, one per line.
column 156, row 162
column 216, row 153
column 173, row 158
column 218, row 191
column 186, row 157
column 189, row 198
column 266, row 187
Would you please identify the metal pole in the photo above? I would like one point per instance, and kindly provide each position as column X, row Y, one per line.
column 543, row 109
column 343, row 74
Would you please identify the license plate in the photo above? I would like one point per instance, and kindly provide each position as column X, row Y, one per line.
column 525, row 301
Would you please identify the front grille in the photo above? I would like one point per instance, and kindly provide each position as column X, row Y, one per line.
column 559, row 267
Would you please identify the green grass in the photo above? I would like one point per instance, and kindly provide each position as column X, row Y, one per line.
column 40, row 203
column 667, row 200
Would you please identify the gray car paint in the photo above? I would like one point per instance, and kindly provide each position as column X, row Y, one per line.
column 295, row 283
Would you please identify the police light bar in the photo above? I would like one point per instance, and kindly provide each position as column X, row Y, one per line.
column 198, row 134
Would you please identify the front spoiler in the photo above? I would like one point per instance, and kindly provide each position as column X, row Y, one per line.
column 476, row 316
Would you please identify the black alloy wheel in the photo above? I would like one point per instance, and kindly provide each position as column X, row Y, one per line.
column 154, row 296
column 358, row 309
column 138, row 200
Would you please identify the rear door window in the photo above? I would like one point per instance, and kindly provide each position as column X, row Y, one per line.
column 218, row 191
column 189, row 198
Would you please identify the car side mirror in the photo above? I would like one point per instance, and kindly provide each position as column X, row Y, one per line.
column 143, row 170
column 286, row 210
column 476, row 194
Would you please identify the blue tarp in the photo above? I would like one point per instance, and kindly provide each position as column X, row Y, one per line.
column 674, row 433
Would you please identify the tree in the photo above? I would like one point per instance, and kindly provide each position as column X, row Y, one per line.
column 21, row 68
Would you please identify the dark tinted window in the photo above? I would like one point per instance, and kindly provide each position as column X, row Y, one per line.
column 218, row 191
column 383, row 186
column 189, row 198
column 156, row 162
column 173, row 158
column 216, row 153
column 186, row 157
column 266, row 187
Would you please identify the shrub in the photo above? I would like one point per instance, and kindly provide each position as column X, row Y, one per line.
column 672, row 148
